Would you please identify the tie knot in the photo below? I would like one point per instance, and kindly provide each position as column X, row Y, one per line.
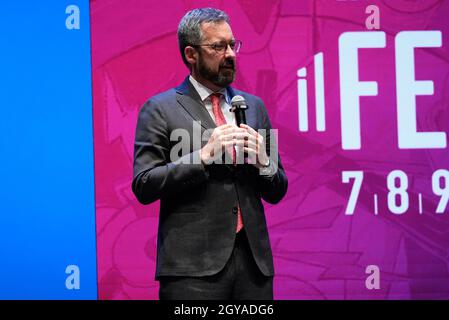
column 215, row 97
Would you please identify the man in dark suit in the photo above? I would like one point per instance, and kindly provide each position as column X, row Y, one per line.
column 212, row 240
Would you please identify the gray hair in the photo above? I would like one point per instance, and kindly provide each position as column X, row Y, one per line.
column 189, row 29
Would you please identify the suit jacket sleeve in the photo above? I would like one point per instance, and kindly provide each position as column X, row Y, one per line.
column 154, row 175
column 272, row 188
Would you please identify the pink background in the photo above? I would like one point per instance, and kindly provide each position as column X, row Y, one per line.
column 319, row 252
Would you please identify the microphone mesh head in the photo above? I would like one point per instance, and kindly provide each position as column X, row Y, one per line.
column 238, row 100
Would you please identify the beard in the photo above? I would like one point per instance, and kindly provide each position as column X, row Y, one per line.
column 221, row 78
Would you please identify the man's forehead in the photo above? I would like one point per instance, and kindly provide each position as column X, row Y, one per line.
column 216, row 31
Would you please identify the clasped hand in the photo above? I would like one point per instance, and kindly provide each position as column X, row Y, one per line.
column 226, row 136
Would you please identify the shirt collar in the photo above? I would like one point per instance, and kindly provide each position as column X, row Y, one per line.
column 204, row 92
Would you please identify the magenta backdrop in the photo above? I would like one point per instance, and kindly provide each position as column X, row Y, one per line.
column 319, row 251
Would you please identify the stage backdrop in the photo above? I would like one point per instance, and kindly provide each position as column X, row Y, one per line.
column 359, row 93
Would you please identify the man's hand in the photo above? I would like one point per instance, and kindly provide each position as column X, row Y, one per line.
column 223, row 139
column 254, row 146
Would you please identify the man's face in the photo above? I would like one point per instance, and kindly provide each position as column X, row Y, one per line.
column 214, row 67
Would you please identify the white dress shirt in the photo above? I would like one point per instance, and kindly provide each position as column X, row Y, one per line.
column 225, row 104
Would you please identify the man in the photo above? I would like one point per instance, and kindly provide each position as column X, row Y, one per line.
column 212, row 239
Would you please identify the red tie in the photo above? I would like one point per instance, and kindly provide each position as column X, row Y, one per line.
column 219, row 120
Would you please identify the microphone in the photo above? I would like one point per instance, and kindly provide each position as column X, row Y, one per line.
column 238, row 106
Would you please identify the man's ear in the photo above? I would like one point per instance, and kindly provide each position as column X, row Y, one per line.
column 191, row 55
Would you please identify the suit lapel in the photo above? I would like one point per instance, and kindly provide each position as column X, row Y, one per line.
column 190, row 100
column 251, row 117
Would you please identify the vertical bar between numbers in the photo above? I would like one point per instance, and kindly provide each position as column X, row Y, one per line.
column 376, row 209
column 420, row 203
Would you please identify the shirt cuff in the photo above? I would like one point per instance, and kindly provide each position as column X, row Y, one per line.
column 268, row 171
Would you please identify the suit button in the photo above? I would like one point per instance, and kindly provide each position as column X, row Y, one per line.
column 234, row 210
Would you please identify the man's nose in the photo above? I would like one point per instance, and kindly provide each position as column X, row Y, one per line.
column 229, row 52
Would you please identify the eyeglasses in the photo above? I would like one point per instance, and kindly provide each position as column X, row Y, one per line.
column 221, row 47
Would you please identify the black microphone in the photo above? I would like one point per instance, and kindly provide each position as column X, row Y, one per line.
column 238, row 106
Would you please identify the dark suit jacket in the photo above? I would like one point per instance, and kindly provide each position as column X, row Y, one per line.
column 198, row 209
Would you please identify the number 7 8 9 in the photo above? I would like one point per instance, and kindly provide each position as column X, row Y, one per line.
column 397, row 183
